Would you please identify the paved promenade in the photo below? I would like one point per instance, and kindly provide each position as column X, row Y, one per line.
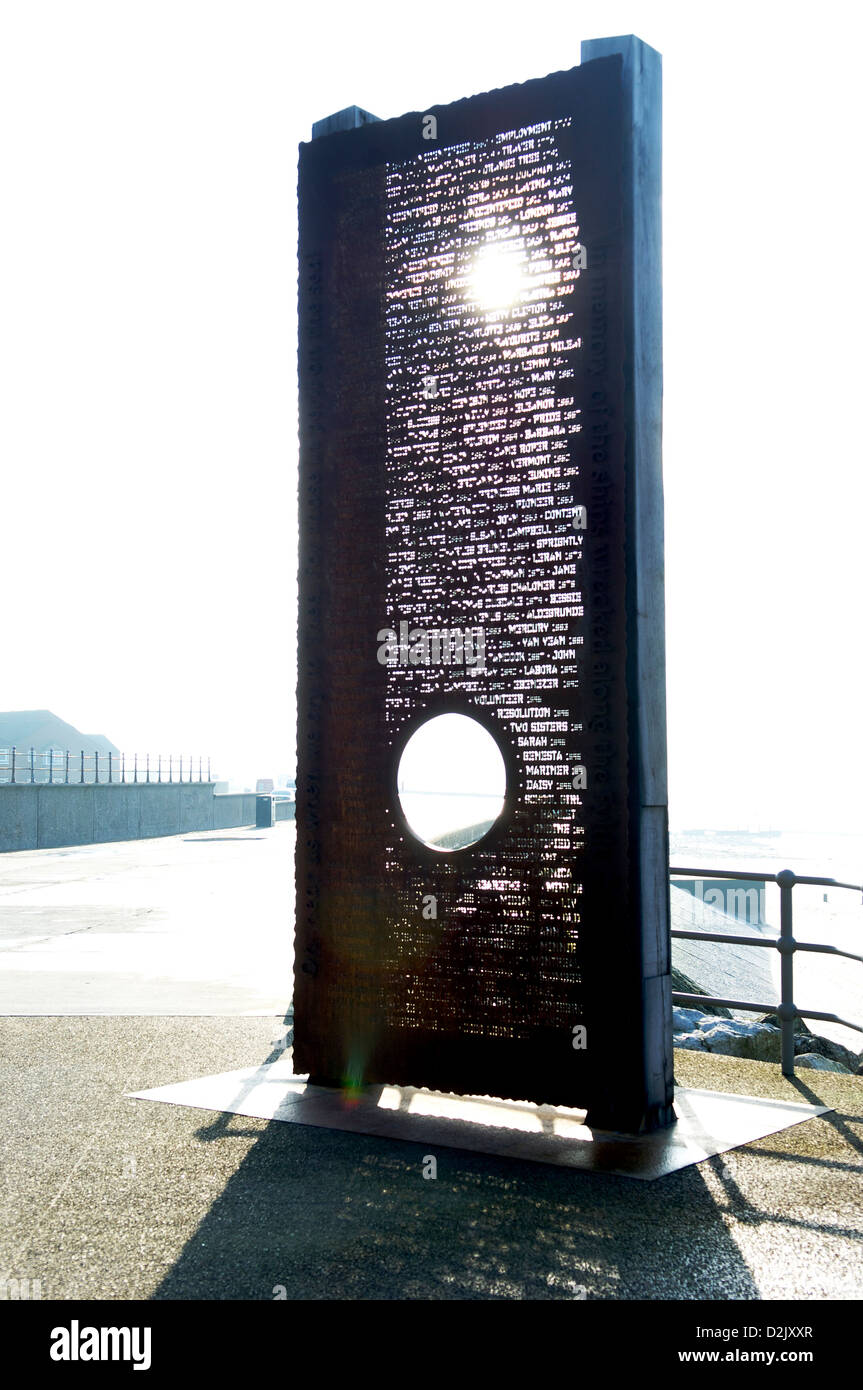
column 108, row 1197
column 200, row 923
column 103, row 1196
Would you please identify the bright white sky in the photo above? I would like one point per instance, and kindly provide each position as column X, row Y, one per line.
column 148, row 372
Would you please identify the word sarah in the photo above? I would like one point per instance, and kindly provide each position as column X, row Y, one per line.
column 75, row 1343
column 449, row 647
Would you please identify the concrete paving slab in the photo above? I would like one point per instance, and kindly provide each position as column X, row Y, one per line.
column 708, row 1122
column 187, row 924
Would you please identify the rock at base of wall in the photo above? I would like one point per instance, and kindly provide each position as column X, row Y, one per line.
column 805, row 1041
column 828, row 1049
column 819, row 1063
column 683, row 985
column 685, row 1020
column 756, row 1041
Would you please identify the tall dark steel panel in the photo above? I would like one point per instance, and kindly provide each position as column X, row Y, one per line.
column 474, row 471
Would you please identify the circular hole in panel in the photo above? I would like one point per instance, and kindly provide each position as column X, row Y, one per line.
column 451, row 782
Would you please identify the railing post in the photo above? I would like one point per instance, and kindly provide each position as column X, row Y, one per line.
column 14, row 751
column 209, row 777
column 50, row 767
column 96, row 764
column 787, row 946
column 123, row 766
column 110, row 766
column 32, row 765
column 160, row 767
column 148, row 767
column 170, row 767
column 82, row 764
column 67, row 767
column 136, row 767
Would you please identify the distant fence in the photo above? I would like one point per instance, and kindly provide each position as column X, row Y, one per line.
column 64, row 766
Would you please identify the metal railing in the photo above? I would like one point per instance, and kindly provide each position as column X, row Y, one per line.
column 62, row 767
column 785, row 944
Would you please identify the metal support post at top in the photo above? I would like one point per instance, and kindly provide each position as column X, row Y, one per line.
column 349, row 118
column 787, row 946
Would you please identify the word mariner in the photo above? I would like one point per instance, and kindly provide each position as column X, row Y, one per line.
column 76, row 1343
column 448, row 647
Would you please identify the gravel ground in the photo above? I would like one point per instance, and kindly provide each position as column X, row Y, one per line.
column 106, row 1197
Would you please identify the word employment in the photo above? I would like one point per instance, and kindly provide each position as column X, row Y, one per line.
column 417, row 647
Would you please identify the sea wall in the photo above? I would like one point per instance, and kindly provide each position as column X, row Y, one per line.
column 45, row 816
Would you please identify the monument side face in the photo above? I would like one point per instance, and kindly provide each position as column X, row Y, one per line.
column 470, row 464
column 642, row 213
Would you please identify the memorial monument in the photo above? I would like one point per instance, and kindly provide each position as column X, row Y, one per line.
column 482, row 860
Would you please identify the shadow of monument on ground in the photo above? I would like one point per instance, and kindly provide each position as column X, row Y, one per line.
column 313, row 1213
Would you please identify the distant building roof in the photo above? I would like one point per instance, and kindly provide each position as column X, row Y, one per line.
column 39, row 728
